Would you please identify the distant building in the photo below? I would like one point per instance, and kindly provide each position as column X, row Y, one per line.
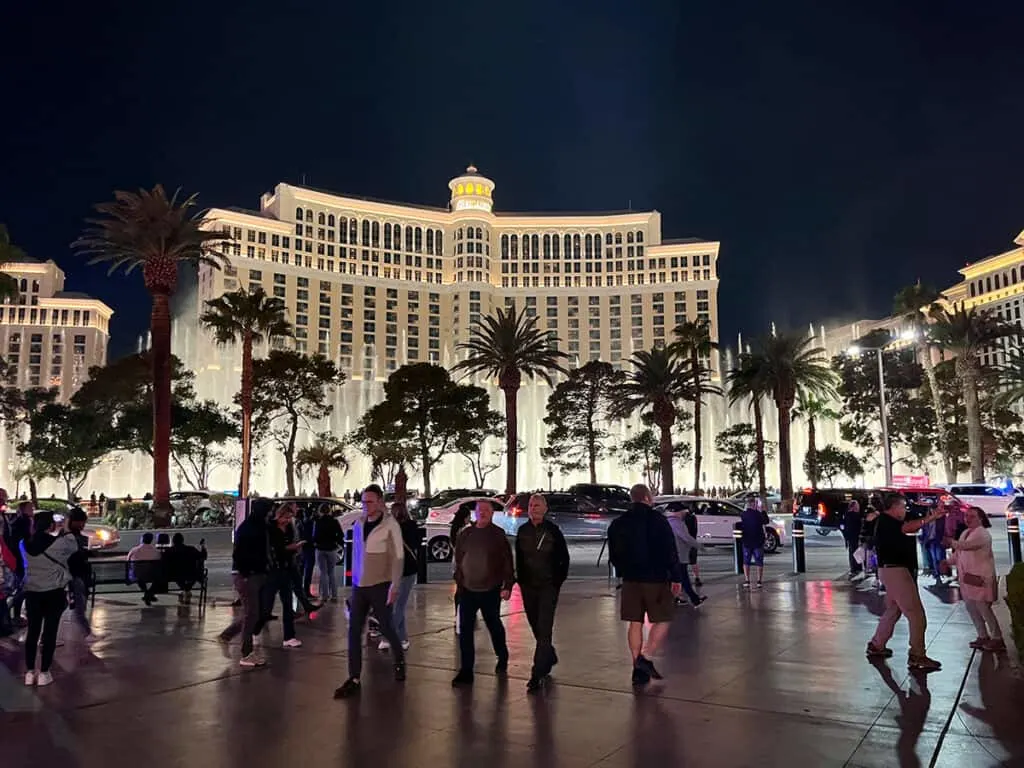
column 51, row 336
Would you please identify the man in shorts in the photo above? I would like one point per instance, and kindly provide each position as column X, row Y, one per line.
column 752, row 523
column 642, row 550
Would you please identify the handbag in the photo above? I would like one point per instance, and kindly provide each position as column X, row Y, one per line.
column 860, row 554
column 972, row 579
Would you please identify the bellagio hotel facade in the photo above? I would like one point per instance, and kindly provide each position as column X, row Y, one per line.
column 375, row 285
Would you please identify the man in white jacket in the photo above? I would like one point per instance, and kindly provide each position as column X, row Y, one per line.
column 378, row 555
column 684, row 543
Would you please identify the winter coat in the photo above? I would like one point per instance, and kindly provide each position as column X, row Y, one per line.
column 973, row 554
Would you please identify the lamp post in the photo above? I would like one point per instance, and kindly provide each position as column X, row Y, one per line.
column 550, row 474
column 886, row 448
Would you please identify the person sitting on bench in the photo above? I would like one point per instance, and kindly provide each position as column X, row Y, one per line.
column 183, row 564
column 145, row 571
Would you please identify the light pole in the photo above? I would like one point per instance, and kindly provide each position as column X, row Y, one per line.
column 886, row 448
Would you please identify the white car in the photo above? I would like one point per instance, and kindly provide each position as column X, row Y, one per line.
column 438, row 525
column 991, row 499
column 444, row 515
column 716, row 518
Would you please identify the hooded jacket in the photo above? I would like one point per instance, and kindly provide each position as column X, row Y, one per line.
column 642, row 547
column 46, row 561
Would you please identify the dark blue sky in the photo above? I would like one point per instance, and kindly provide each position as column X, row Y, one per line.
column 839, row 150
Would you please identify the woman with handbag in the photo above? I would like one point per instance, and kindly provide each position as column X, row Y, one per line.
column 976, row 570
column 412, row 536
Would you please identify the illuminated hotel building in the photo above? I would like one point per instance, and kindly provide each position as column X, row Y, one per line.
column 51, row 336
column 375, row 285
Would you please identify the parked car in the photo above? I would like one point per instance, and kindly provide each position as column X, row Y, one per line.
column 920, row 501
column 717, row 517
column 774, row 500
column 991, row 499
column 443, row 498
column 437, row 527
column 607, row 496
column 1016, row 507
column 444, row 515
column 824, row 508
column 579, row 517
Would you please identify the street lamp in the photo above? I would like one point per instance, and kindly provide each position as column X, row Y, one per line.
column 855, row 351
column 550, row 474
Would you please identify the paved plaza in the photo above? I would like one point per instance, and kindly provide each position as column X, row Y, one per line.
column 769, row 678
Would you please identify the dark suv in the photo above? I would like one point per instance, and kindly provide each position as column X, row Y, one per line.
column 606, row 496
column 579, row 516
column 824, row 508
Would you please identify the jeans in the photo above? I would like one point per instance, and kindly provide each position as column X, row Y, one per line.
column 80, row 592
column 325, row 561
column 851, row 546
column 363, row 600
column 301, row 591
column 901, row 599
column 44, row 610
column 937, row 553
column 257, row 601
column 308, row 562
column 279, row 584
column 688, row 588
column 398, row 608
column 540, row 604
column 984, row 619
column 488, row 604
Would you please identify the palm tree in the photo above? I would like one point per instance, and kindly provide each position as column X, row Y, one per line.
column 659, row 381
column 250, row 318
column 694, row 341
column 325, row 454
column 812, row 408
column 790, row 364
column 9, row 254
column 966, row 332
column 747, row 381
column 150, row 230
column 914, row 303
column 1011, row 379
column 507, row 346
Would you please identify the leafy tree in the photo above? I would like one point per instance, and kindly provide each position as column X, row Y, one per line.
column 201, row 431
column 291, row 393
column 832, row 462
column 966, row 332
column 693, row 338
column 9, row 254
column 65, row 442
column 425, row 407
column 578, row 413
column 474, row 444
column 327, row 453
column 790, row 364
column 747, row 382
column 508, row 346
column 158, row 233
column 738, row 447
column 915, row 303
column 387, row 451
column 812, row 409
column 643, row 449
column 249, row 319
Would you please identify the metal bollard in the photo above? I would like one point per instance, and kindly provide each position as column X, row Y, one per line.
column 1013, row 537
column 799, row 555
column 421, row 564
column 737, row 541
column 348, row 558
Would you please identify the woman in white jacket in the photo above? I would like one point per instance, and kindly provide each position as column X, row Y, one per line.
column 976, row 572
column 684, row 543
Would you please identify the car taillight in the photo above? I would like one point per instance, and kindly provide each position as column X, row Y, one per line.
column 515, row 511
column 821, row 509
column 435, row 515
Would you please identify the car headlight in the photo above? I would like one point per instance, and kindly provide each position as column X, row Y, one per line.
column 103, row 535
column 779, row 522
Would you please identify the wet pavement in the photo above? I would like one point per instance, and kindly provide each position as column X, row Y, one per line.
column 776, row 677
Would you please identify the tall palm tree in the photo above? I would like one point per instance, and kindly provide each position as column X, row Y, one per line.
column 9, row 254
column 507, row 346
column 1011, row 379
column 813, row 408
column 790, row 364
column 915, row 303
column 966, row 333
column 747, row 381
column 249, row 318
column 327, row 453
column 150, row 230
column 659, row 381
column 694, row 340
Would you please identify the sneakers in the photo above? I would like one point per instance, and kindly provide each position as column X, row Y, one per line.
column 349, row 688
column 746, row 585
column 501, row 667
column 461, row 679
column 874, row 652
column 979, row 643
column 700, row 601
column 30, row 678
column 405, row 645
column 45, row 678
column 252, row 660
column 640, row 677
column 384, row 645
column 400, row 672
column 647, row 666
column 292, row 643
column 534, row 684
column 923, row 663
column 759, row 585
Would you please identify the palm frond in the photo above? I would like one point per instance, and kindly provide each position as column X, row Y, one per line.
column 233, row 315
column 507, row 343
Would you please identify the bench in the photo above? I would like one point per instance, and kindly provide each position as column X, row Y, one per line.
column 117, row 572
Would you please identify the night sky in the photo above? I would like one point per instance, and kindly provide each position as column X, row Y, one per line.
column 838, row 150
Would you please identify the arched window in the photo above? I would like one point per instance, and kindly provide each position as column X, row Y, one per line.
column 366, row 231
column 309, row 214
column 439, row 243
column 479, row 233
column 547, row 246
column 554, row 246
column 629, row 237
column 588, row 245
column 535, row 245
column 1013, row 275
column 387, row 235
column 988, row 284
column 321, row 219
column 504, row 246
column 398, row 237
column 419, row 239
column 639, row 235
column 430, row 241
column 607, row 238
column 526, row 246
column 996, row 281
column 298, row 214
column 353, row 231
column 567, row 241
column 575, row 246
column 618, row 238
column 330, row 220
column 973, row 289
column 515, row 246
column 24, row 285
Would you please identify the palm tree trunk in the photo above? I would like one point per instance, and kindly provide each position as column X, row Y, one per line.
column 511, row 435
column 974, row 447
column 762, row 485
column 785, row 468
column 665, row 455
column 246, row 403
column 812, row 452
column 948, row 463
column 323, row 481
column 698, row 454
column 160, row 334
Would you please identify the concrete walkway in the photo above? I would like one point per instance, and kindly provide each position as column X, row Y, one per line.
column 770, row 678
